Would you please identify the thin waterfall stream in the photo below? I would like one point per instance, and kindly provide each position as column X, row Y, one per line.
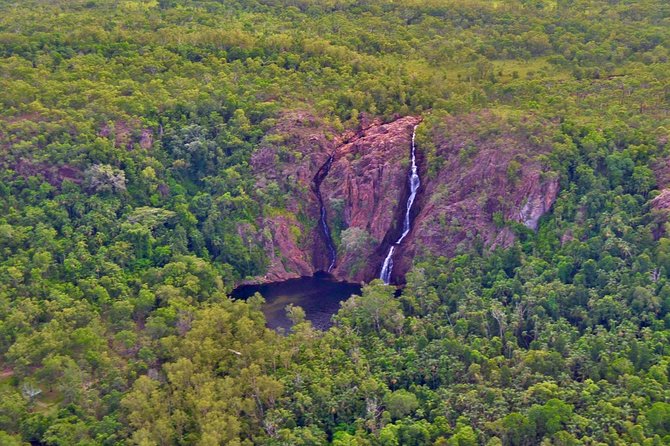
column 414, row 184
column 325, row 229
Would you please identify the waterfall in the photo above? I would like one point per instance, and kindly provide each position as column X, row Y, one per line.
column 325, row 229
column 414, row 184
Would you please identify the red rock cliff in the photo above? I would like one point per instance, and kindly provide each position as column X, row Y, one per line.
column 366, row 186
column 284, row 165
column 477, row 172
column 484, row 170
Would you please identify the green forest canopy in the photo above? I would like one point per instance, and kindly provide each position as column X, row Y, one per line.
column 126, row 130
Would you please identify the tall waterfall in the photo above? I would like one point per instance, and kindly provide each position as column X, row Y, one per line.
column 414, row 184
column 318, row 179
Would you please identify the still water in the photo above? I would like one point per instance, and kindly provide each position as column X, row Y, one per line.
column 319, row 296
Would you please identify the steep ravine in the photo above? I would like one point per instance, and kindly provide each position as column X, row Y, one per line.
column 323, row 213
column 286, row 161
column 355, row 203
column 367, row 138
column 395, row 231
column 363, row 194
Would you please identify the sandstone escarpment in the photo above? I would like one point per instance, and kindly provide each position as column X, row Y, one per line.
column 479, row 173
column 363, row 192
column 284, row 166
column 484, row 174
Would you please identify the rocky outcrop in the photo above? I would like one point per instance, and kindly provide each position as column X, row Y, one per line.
column 540, row 196
column 127, row 134
column 484, row 174
column 286, row 254
column 662, row 171
column 660, row 204
column 284, row 166
column 479, row 174
column 366, row 183
column 54, row 175
column 662, row 201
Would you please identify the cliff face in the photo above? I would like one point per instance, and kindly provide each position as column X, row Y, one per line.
column 284, row 166
column 489, row 174
column 478, row 174
column 660, row 205
column 364, row 191
column 361, row 193
column 662, row 201
column 662, row 172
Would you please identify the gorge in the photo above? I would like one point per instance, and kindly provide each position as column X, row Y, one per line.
column 323, row 214
column 359, row 206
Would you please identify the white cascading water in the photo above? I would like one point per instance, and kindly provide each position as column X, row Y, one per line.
column 414, row 184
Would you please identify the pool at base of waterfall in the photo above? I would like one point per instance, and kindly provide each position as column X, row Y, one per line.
column 319, row 295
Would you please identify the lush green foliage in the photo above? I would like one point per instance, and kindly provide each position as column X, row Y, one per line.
column 126, row 130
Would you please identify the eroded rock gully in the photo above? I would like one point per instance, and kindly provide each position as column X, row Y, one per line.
column 480, row 166
column 324, row 227
column 286, row 161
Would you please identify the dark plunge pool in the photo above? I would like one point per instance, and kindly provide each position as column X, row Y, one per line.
column 319, row 296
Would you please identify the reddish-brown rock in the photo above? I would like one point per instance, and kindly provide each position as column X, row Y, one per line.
column 478, row 172
column 660, row 205
column 361, row 193
column 127, row 134
column 662, row 200
column 364, row 191
column 284, row 165
column 286, row 255
column 487, row 167
column 54, row 175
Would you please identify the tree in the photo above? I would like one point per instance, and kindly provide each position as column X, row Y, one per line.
column 103, row 178
column 401, row 403
column 376, row 309
column 464, row 436
column 12, row 410
column 658, row 419
column 550, row 417
column 11, row 440
column 517, row 430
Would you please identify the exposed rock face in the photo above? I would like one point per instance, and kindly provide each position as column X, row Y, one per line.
column 127, row 134
column 54, row 175
column 365, row 184
column 488, row 171
column 287, row 257
column 660, row 205
column 662, row 201
column 364, row 193
column 540, row 198
column 662, row 171
column 478, row 173
column 286, row 162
